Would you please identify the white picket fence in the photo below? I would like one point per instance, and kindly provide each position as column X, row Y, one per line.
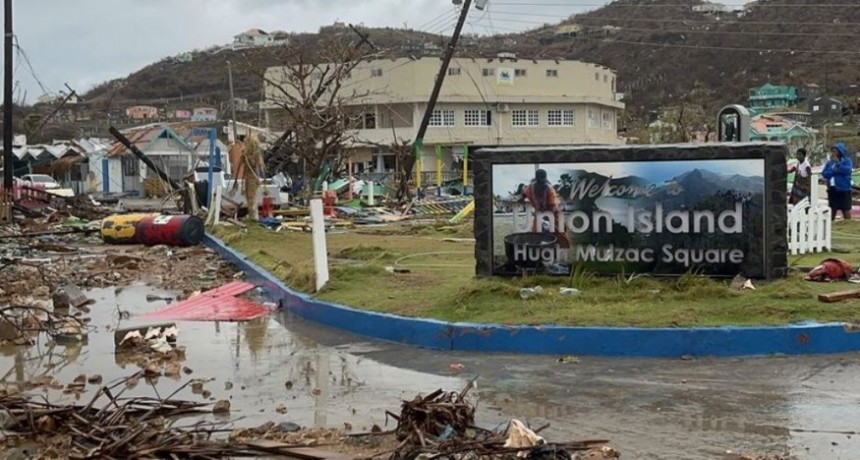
column 809, row 225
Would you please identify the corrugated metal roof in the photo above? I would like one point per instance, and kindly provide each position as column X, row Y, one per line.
column 219, row 304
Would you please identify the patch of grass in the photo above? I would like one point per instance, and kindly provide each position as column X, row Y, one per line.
column 368, row 253
column 442, row 285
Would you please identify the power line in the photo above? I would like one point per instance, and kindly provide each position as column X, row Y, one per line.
column 579, row 18
column 640, row 5
column 705, row 31
column 444, row 18
column 431, row 21
column 23, row 54
column 722, row 48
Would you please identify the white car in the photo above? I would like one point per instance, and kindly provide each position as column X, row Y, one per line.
column 43, row 180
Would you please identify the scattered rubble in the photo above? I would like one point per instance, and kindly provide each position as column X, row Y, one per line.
column 442, row 424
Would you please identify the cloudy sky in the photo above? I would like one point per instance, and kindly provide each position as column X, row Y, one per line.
column 85, row 42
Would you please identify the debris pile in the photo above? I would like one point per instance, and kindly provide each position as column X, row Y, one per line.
column 443, row 425
column 116, row 428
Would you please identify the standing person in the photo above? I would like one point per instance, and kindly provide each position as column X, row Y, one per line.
column 543, row 198
column 838, row 171
column 802, row 178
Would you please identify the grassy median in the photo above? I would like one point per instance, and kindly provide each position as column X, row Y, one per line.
column 441, row 283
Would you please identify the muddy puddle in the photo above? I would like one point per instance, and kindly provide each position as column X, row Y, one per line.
column 280, row 369
column 657, row 409
column 264, row 370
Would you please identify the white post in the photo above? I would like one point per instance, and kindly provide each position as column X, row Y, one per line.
column 370, row 193
column 216, row 204
column 813, row 190
column 320, row 251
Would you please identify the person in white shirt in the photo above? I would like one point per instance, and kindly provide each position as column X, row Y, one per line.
column 802, row 178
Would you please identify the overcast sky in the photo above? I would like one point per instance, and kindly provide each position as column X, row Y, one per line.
column 86, row 42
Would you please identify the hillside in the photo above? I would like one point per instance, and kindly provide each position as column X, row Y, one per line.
column 662, row 50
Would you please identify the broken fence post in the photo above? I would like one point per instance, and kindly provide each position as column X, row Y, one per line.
column 320, row 251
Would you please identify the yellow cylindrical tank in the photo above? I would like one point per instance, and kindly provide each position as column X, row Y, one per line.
column 120, row 228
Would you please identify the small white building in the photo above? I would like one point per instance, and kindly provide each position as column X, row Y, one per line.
column 164, row 146
column 204, row 114
column 253, row 38
column 711, row 8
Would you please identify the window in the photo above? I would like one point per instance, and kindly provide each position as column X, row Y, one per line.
column 368, row 120
column 525, row 118
column 605, row 78
column 608, row 120
column 453, row 71
column 377, row 72
column 815, row 108
column 489, row 72
column 442, row 118
column 596, row 76
column 478, row 118
column 130, row 166
column 552, row 73
column 613, row 84
column 520, row 72
column 833, row 106
column 593, row 120
column 560, row 117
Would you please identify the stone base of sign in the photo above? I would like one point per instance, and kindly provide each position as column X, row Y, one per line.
column 795, row 339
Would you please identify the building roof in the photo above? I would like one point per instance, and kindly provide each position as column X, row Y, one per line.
column 252, row 33
column 60, row 149
column 765, row 124
column 141, row 139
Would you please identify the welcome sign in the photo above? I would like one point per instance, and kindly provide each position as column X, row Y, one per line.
column 665, row 211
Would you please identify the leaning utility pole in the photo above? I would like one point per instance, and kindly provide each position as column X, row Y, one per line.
column 418, row 145
column 7, row 115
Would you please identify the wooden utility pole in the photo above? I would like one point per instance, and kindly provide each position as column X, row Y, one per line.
column 418, row 145
column 6, row 212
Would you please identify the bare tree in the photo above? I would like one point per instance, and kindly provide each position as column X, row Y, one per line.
column 402, row 150
column 320, row 108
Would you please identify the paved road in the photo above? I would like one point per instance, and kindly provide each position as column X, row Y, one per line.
column 661, row 409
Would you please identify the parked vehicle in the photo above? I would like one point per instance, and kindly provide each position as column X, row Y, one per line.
column 43, row 180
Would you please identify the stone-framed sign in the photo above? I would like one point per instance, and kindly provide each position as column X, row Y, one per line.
column 712, row 209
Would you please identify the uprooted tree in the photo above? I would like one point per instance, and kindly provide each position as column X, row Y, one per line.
column 321, row 110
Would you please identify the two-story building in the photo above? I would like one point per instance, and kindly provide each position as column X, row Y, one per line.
column 483, row 102
column 768, row 96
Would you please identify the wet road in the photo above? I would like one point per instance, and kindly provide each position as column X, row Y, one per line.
column 661, row 409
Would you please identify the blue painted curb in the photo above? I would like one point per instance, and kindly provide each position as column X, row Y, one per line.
column 795, row 339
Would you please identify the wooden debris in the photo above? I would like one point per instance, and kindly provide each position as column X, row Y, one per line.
column 133, row 428
column 839, row 296
column 442, row 425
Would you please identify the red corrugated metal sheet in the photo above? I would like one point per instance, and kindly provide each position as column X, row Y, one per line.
column 219, row 304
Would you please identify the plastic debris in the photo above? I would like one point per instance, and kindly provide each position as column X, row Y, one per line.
column 521, row 436
column 528, row 293
column 572, row 292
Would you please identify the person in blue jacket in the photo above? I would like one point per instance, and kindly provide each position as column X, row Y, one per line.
column 838, row 171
